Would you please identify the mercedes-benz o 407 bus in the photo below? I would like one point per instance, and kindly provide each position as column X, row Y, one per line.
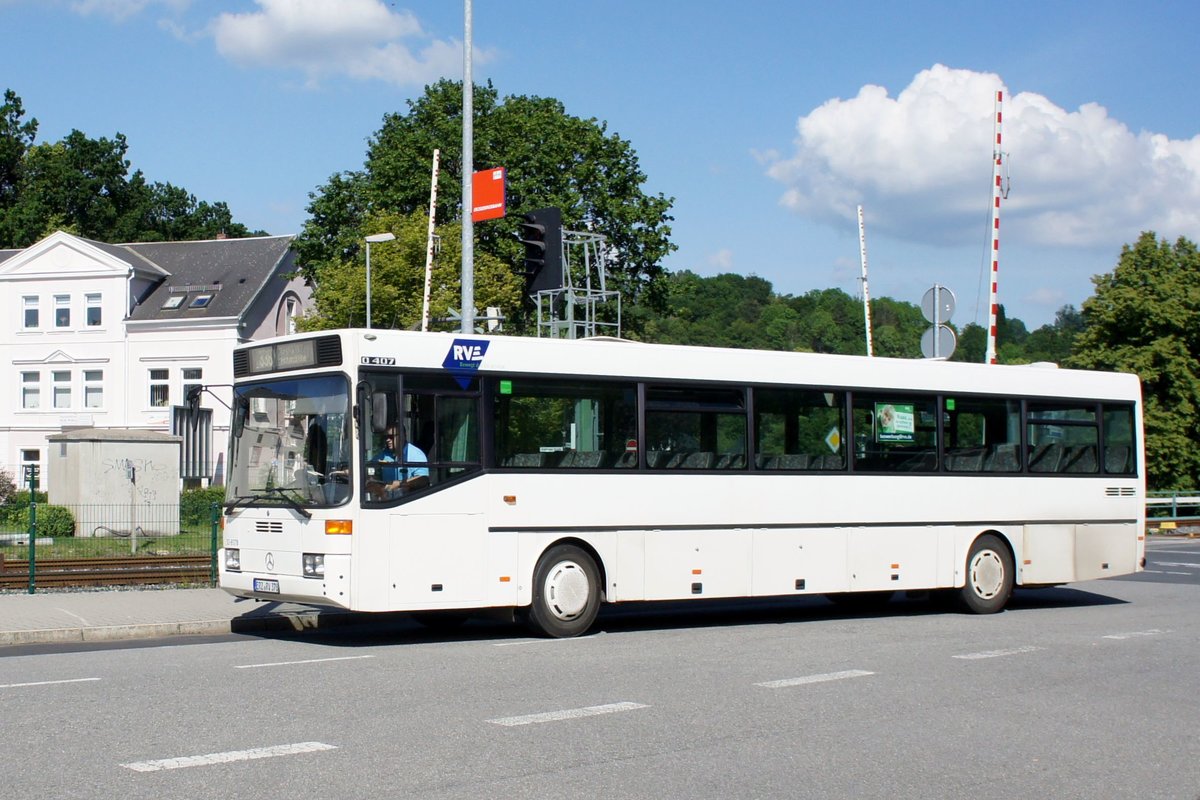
column 381, row 470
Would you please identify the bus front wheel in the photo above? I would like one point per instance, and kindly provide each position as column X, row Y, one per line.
column 566, row 593
column 989, row 581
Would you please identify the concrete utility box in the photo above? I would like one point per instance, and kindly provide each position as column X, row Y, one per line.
column 116, row 481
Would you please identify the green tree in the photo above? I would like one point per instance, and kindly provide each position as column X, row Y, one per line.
column 551, row 158
column 84, row 186
column 1145, row 318
column 16, row 137
column 398, row 279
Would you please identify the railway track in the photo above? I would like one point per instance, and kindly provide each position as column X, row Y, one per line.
column 129, row 571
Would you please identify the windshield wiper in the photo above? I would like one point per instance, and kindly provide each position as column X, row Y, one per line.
column 246, row 499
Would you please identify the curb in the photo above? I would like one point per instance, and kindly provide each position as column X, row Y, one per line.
column 286, row 621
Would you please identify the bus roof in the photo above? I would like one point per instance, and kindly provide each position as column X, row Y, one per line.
column 623, row 358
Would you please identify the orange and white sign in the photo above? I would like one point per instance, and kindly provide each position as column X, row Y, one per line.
column 487, row 194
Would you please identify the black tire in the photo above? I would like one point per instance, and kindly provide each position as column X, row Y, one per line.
column 566, row 593
column 989, row 576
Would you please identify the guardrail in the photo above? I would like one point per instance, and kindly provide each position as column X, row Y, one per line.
column 1173, row 512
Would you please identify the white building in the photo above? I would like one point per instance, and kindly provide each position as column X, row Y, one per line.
column 112, row 336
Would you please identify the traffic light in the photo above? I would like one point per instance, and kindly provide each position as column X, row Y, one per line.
column 541, row 233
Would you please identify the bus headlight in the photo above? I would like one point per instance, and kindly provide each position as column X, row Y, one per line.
column 233, row 559
column 314, row 565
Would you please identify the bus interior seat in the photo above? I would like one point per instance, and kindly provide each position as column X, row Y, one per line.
column 587, row 459
column 698, row 460
column 731, row 461
column 525, row 460
column 627, row 460
column 1116, row 459
column 1002, row 458
column 969, row 460
column 1081, row 458
column 1046, row 457
column 793, row 461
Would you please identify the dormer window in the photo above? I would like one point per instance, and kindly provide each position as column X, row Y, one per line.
column 174, row 301
column 200, row 301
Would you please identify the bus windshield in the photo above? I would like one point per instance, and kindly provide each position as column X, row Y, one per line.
column 290, row 443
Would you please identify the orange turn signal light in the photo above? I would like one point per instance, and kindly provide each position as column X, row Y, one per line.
column 343, row 527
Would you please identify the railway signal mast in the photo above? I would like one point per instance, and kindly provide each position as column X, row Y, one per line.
column 997, row 192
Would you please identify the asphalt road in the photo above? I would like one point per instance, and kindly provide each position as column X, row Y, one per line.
column 1086, row 691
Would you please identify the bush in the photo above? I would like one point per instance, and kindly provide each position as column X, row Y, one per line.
column 51, row 520
column 14, row 513
column 195, row 505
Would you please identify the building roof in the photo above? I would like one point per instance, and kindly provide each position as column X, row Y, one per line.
column 214, row 278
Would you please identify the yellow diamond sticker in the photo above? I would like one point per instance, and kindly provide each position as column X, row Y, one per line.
column 833, row 439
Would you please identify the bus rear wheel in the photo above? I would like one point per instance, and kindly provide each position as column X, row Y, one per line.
column 566, row 593
column 989, row 581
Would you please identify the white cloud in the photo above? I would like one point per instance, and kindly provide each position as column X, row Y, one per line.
column 921, row 164
column 722, row 259
column 357, row 38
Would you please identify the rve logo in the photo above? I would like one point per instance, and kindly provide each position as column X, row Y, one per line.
column 464, row 358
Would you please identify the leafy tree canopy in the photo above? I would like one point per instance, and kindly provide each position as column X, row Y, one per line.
column 398, row 279
column 551, row 159
column 1145, row 318
column 84, row 186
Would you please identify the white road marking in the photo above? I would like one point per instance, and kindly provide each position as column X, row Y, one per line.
column 1163, row 572
column 828, row 676
column 305, row 661
column 542, row 641
column 1156, row 551
column 1011, row 651
column 229, row 757
column 46, row 683
column 1175, row 564
column 1150, row 632
column 569, row 713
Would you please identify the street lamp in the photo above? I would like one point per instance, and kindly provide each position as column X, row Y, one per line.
column 376, row 238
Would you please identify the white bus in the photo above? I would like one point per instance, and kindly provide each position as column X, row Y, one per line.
column 551, row 476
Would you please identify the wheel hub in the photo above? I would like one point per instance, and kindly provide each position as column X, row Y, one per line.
column 987, row 574
column 567, row 590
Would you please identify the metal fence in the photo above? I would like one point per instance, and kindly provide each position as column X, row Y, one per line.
column 1173, row 512
column 59, row 544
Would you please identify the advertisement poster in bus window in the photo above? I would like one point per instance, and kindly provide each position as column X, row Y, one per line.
column 895, row 422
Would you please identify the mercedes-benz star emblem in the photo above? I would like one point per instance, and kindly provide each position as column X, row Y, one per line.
column 271, row 561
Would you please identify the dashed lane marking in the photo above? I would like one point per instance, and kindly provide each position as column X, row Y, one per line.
column 1010, row 651
column 228, row 757
column 828, row 676
column 305, row 661
column 569, row 713
column 45, row 683
column 1133, row 634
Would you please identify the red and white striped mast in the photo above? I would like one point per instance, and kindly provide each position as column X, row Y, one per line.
column 993, row 302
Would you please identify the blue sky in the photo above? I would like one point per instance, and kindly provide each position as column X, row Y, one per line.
column 767, row 122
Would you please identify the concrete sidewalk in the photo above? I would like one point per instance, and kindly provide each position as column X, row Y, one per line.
column 96, row 616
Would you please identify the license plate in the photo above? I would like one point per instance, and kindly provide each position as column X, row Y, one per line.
column 263, row 585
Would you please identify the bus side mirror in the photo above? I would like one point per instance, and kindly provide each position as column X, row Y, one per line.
column 379, row 412
column 241, row 408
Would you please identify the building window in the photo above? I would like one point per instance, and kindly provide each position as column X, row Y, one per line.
column 62, row 310
column 94, row 313
column 62, row 389
column 30, row 460
column 200, row 301
column 160, row 388
column 93, row 388
column 174, row 301
column 31, row 311
column 31, row 390
column 193, row 378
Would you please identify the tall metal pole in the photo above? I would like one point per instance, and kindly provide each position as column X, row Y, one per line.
column 468, row 167
column 862, row 250
column 368, row 283
column 993, row 300
column 429, row 241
